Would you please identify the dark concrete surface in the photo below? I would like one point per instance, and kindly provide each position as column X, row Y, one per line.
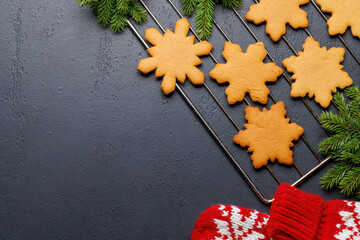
column 92, row 149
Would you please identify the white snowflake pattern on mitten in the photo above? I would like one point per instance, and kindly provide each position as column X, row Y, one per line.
column 239, row 226
column 348, row 229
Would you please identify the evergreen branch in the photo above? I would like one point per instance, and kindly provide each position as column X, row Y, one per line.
column 204, row 18
column 344, row 145
column 188, row 6
column 137, row 12
column 123, row 6
column 333, row 123
column 353, row 92
column 355, row 113
column 352, row 145
column 118, row 22
column 357, row 193
column 115, row 12
column 332, row 178
column 94, row 5
column 205, row 13
column 104, row 10
column 350, row 182
column 232, row 4
column 334, row 143
column 353, row 158
column 338, row 124
column 341, row 105
column 83, row 2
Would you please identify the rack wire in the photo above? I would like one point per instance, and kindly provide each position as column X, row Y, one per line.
column 254, row 187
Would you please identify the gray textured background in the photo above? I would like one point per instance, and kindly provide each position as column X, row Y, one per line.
column 92, row 149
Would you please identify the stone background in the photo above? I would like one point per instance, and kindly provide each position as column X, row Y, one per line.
column 92, row 149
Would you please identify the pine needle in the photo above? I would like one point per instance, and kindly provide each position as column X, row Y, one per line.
column 344, row 145
column 137, row 12
column 204, row 18
column 123, row 6
column 205, row 13
column 104, row 12
column 118, row 22
column 353, row 93
column 188, row 6
column 115, row 12
column 83, row 2
column 333, row 177
column 232, row 4
column 350, row 182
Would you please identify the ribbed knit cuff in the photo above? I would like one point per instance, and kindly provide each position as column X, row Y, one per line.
column 294, row 214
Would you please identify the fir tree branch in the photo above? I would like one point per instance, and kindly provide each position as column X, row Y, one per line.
column 355, row 113
column 357, row 193
column 232, row 4
column 205, row 13
column 344, row 145
column 353, row 92
column 188, row 6
column 332, row 178
column 341, row 105
column 104, row 10
column 334, row 143
column 118, row 22
column 94, row 5
column 115, row 12
column 123, row 6
column 204, row 18
column 137, row 12
column 337, row 123
column 353, row 158
column 353, row 144
column 333, row 123
column 350, row 181
column 84, row 2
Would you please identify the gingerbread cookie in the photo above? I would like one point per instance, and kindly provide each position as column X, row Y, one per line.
column 269, row 135
column 276, row 14
column 174, row 56
column 246, row 72
column 345, row 13
column 317, row 71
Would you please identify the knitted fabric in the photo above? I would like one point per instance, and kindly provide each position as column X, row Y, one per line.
column 294, row 215
column 298, row 215
column 230, row 222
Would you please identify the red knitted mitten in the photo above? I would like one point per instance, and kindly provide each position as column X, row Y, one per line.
column 298, row 215
column 230, row 222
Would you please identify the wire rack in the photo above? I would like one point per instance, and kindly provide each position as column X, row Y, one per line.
column 248, row 179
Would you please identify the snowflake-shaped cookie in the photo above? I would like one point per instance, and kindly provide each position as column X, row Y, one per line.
column 317, row 71
column 276, row 14
column 174, row 56
column 345, row 13
column 269, row 135
column 246, row 72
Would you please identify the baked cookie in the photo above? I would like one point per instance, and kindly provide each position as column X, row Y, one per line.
column 345, row 13
column 269, row 135
column 246, row 72
column 276, row 14
column 317, row 72
column 174, row 56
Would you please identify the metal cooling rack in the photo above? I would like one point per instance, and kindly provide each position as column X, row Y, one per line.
column 303, row 176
